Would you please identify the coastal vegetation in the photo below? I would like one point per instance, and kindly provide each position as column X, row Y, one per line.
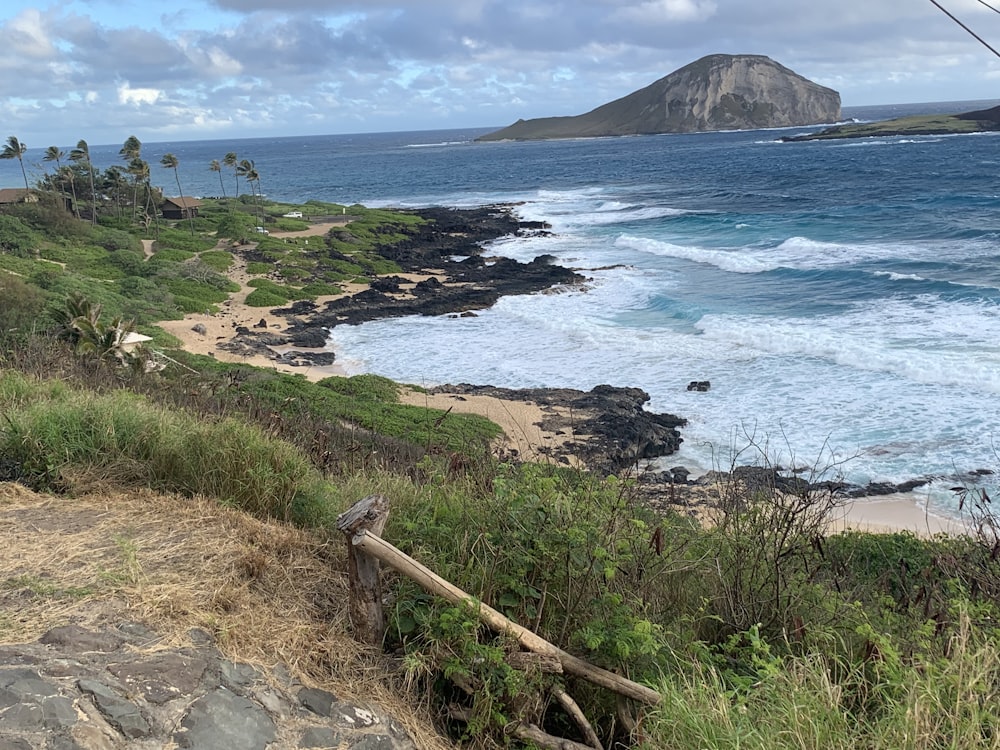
column 934, row 124
column 759, row 628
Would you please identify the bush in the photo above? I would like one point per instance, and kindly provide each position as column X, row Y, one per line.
column 22, row 304
column 16, row 237
column 258, row 268
column 235, row 225
column 367, row 387
column 265, row 298
column 218, row 260
column 116, row 239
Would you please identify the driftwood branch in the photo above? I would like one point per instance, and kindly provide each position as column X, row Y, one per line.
column 433, row 583
column 530, row 662
column 365, row 601
column 531, row 733
column 571, row 707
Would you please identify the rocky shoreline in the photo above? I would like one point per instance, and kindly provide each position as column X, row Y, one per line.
column 449, row 251
column 612, row 431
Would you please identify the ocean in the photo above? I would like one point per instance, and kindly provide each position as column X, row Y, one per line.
column 842, row 297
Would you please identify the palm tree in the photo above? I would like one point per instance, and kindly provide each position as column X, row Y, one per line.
column 112, row 180
column 131, row 152
column 249, row 172
column 80, row 321
column 15, row 150
column 230, row 161
column 215, row 166
column 56, row 154
column 82, row 154
column 169, row 161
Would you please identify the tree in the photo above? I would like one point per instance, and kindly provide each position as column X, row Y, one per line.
column 15, row 150
column 131, row 152
column 248, row 169
column 56, row 154
column 169, row 161
column 216, row 166
column 231, row 161
column 81, row 325
column 112, row 180
column 81, row 154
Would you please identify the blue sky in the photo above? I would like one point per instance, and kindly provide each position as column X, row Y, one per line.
column 103, row 70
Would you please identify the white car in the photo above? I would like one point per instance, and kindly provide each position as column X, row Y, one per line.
column 293, row 215
column 261, row 230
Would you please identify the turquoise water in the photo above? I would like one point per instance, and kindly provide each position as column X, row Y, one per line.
column 842, row 297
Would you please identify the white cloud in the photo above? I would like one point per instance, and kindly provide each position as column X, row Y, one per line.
column 129, row 95
column 661, row 11
column 327, row 66
column 25, row 35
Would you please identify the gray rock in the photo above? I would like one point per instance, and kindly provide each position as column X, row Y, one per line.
column 123, row 715
column 222, row 719
column 162, row 677
column 237, row 675
column 63, row 695
column 320, row 702
column 14, row 743
column 321, row 737
column 73, row 637
column 46, row 714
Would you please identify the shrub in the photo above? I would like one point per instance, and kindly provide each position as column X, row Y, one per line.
column 265, row 298
column 116, row 239
column 258, row 268
column 16, row 237
column 218, row 260
column 367, row 387
column 22, row 304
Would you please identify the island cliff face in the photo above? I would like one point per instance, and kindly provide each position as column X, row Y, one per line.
column 718, row 92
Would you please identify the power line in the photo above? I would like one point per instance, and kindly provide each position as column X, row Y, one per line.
column 982, row 2
column 974, row 34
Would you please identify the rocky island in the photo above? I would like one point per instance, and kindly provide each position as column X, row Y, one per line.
column 717, row 92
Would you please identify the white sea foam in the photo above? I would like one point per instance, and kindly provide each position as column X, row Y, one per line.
column 734, row 261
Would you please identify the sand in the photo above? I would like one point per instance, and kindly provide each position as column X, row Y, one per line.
column 900, row 512
column 519, row 420
column 221, row 326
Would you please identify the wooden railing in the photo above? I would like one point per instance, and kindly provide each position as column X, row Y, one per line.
column 362, row 524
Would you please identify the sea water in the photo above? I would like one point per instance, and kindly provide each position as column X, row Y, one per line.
column 843, row 297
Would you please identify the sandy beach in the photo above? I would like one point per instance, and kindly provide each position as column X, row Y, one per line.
column 901, row 512
column 520, row 421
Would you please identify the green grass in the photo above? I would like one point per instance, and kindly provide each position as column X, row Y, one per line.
column 51, row 428
column 217, row 260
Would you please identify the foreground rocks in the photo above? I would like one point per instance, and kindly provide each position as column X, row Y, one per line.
column 614, row 430
column 77, row 688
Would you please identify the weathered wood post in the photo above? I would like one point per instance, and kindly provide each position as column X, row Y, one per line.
column 365, row 605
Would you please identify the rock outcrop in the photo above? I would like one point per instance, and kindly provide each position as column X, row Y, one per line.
column 613, row 430
column 718, row 92
column 77, row 688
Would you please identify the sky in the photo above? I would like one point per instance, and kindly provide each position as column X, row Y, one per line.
column 102, row 70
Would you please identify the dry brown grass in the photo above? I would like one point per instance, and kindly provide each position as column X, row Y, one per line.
column 268, row 592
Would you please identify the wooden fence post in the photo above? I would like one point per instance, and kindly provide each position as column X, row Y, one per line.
column 369, row 514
